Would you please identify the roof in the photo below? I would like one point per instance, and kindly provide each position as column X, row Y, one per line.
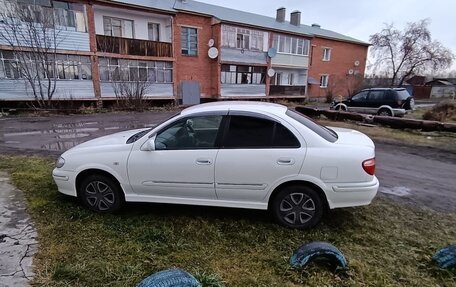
column 164, row 5
column 237, row 16
column 237, row 105
column 240, row 17
column 439, row 82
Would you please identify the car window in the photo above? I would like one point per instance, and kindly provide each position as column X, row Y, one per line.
column 403, row 94
column 376, row 96
column 324, row 132
column 253, row 132
column 360, row 97
column 189, row 133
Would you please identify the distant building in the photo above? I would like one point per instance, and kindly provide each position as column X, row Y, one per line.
column 179, row 44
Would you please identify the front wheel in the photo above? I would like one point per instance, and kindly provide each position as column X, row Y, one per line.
column 101, row 194
column 297, row 207
column 385, row 113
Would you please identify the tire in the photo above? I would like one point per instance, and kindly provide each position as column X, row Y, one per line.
column 318, row 250
column 297, row 207
column 446, row 257
column 101, row 194
column 410, row 104
column 170, row 278
column 385, row 113
column 340, row 108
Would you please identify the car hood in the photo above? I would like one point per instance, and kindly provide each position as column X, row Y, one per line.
column 113, row 139
column 352, row 137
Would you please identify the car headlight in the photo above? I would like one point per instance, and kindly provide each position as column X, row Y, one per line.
column 59, row 162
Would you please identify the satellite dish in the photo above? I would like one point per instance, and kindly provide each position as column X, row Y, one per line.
column 356, row 63
column 271, row 72
column 213, row 52
column 350, row 72
column 211, row 42
column 272, row 52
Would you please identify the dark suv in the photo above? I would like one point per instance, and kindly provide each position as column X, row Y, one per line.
column 379, row 101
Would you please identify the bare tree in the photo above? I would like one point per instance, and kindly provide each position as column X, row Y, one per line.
column 31, row 32
column 404, row 53
column 130, row 92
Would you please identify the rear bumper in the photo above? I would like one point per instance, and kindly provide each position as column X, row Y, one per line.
column 65, row 181
column 352, row 194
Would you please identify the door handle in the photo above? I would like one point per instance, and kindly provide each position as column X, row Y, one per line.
column 285, row 161
column 203, row 161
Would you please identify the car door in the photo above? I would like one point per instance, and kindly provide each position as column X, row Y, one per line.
column 182, row 162
column 376, row 99
column 255, row 153
column 357, row 103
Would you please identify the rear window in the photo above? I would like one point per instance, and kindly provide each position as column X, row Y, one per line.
column 402, row 94
column 324, row 132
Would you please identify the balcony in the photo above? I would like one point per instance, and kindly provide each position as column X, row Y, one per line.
column 126, row 46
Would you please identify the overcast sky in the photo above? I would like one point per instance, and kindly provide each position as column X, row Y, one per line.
column 361, row 18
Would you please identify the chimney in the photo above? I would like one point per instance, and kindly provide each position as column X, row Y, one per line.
column 316, row 25
column 295, row 18
column 281, row 15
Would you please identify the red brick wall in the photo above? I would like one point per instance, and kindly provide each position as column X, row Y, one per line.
column 343, row 57
column 198, row 68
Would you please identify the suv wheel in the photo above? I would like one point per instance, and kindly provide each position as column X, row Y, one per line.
column 384, row 113
column 410, row 104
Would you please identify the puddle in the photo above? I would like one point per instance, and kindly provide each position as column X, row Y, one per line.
column 397, row 190
column 61, row 146
column 64, row 136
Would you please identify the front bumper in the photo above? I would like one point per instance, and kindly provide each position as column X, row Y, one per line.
column 65, row 181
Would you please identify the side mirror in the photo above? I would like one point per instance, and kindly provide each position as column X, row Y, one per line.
column 149, row 145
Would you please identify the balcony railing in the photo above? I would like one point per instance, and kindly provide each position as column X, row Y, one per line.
column 125, row 46
column 287, row 90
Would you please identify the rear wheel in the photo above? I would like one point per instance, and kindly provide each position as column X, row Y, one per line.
column 101, row 194
column 297, row 207
column 384, row 113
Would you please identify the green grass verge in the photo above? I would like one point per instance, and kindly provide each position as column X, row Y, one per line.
column 440, row 140
column 386, row 244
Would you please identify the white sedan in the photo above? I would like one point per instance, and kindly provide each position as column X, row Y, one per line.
column 228, row 154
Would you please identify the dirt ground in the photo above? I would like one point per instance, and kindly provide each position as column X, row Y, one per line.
column 411, row 174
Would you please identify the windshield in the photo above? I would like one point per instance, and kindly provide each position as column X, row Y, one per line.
column 326, row 133
column 142, row 133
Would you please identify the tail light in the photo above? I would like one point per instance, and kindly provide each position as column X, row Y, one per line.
column 369, row 166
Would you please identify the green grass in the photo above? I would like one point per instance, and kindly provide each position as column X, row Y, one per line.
column 386, row 244
column 440, row 140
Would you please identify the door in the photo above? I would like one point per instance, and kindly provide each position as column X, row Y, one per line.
column 182, row 164
column 376, row 99
column 358, row 103
column 255, row 153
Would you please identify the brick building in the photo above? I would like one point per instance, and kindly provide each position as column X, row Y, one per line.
column 186, row 50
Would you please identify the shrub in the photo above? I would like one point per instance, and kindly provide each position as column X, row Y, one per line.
column 443, row 111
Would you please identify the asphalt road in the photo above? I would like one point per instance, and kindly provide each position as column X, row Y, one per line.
column 417, row 175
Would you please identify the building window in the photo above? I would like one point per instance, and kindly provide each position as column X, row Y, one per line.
column 61, row 14
column 154, row 31
column 326, row 54
column 62, row 67
column 324, row 81
column 118, row 27
column 241, row 38
column 290, row 45
column 116, row 70
column 234, row 74
column 189, row 39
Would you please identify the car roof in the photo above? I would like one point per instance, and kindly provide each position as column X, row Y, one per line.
column 384, row 89
column 237, row 106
